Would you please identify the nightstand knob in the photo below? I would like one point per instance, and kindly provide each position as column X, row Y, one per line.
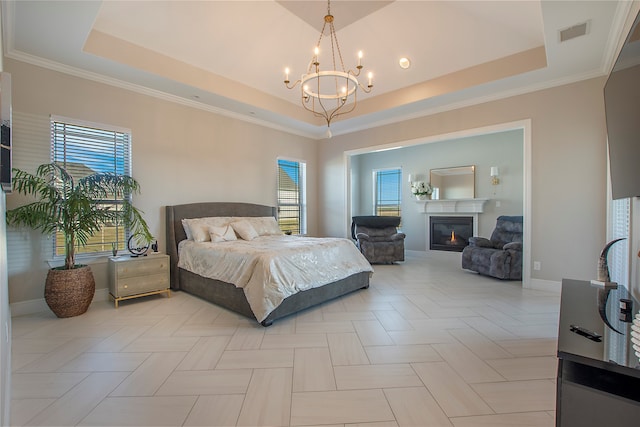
column 126, row 286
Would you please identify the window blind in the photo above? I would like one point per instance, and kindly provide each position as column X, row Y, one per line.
column 84, row 150
column 387, row 192
column 291, row 196
column 28, row 248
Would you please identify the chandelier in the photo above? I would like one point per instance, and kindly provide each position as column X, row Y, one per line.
column 329, row 93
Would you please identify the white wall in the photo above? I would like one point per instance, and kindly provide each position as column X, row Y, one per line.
column 180, row 155
column 568, row 150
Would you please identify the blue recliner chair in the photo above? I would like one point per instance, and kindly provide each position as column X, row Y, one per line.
column 500, row 256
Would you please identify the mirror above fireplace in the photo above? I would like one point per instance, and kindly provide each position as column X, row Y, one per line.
column 453, row 183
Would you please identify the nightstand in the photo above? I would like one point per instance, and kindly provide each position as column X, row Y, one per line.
column 138, row 277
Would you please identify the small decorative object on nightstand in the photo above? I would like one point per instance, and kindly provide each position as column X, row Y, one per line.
column 138, row 277
column 137, row 246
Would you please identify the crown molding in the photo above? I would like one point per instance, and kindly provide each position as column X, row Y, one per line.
column 110, row 81
column 496, row 96
column 316, row 135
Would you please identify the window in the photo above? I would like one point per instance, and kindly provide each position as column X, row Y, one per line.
column 292, row 200
column 387, row 192
column 84, row 149
column 620, row 226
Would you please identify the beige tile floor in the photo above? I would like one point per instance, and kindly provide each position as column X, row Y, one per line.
column 426, row 345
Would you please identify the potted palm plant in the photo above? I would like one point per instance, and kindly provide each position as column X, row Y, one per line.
column 78, row 208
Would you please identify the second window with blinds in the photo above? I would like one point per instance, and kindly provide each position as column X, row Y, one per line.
column 292, row 197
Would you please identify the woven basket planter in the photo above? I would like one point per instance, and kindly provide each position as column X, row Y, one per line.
column 69, row 293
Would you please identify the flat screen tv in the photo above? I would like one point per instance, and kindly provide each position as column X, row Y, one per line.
column 622, row 107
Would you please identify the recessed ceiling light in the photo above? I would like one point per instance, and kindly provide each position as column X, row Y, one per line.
column 404, row 63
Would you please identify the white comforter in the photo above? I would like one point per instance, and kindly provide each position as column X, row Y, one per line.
column 271, row 268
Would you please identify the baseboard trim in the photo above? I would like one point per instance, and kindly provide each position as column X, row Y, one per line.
column 545, row 285
column 28, row 307
column 101, row 295
column 34, row 306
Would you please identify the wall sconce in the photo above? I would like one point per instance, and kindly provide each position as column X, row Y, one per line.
column 410, row 180
column 494, row 175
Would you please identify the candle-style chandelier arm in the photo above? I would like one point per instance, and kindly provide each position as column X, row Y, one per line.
column 291, row 86
column 369, row 86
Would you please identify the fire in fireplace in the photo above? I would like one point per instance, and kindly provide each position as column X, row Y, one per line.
column 450, row 233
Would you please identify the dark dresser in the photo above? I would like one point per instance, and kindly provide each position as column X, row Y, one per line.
column 598, row 368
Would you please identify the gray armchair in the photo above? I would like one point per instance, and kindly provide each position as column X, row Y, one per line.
column 378, row 239
column 500, row 256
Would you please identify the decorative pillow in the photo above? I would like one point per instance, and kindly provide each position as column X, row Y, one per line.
column 244, row 229
column 265, row 226
column 187, row 230
column 222, row 234
column 199, row 230
column 199, row 227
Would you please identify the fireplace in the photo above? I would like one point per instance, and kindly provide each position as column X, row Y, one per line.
column 450, row 233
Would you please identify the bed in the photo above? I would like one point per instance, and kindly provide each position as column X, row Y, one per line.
column 229, row 295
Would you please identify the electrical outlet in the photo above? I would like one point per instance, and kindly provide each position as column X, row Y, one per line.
column 537, row 265
column 498, row 203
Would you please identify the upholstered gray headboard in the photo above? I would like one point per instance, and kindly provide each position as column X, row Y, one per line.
column 175, row 232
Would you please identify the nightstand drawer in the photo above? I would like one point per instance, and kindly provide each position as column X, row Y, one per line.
column 138, row 277
column 147, row 267
column 142, row 284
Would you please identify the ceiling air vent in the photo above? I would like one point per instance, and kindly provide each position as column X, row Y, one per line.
column 574, row 31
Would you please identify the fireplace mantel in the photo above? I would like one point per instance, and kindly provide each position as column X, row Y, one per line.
column 471, row 206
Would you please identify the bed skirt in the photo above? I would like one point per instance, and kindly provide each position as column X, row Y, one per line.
column 231, row 297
